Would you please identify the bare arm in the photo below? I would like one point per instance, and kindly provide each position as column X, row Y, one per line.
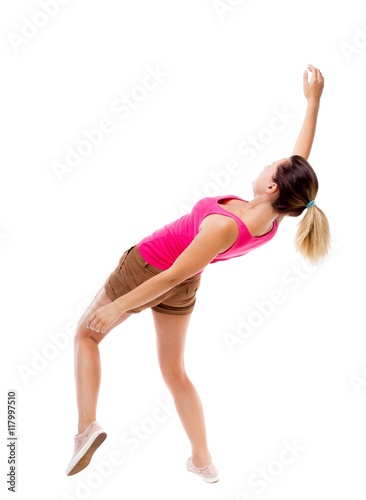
column 213, row 239
column 312, row 91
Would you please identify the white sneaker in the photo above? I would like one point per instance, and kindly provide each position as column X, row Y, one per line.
column 85, row 445
column 209, row 473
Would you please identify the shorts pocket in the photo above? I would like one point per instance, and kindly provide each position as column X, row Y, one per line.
column 111, row 287
column 194, row 285
column 123, row 258
column 191, row 290
column 149, row 269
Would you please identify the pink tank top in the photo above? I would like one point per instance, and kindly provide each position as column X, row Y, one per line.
column 163, row 247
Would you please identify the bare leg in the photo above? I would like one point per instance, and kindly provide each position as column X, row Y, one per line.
column 87, row 362
column 171, row 334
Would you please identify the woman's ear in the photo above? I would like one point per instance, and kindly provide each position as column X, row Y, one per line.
column 271, row 188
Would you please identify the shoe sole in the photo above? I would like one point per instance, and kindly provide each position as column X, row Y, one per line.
column 84, row 460
column 206, row 479
column 213, row 480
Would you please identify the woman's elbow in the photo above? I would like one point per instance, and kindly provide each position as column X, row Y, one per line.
column 176, row 275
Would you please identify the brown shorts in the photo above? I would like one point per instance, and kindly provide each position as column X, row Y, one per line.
column 132, row 270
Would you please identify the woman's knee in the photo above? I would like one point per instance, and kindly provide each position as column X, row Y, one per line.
column 174, row 376
column 83, row 332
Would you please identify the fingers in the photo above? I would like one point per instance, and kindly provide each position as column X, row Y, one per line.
column 89, row 320
column 316, row 74
column 313, row 88
column 92, row 323
column 102, row 319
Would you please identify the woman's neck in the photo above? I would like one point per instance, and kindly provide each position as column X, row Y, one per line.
column 258, row 215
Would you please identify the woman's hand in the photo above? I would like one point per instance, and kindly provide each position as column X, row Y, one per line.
column 103, row 318
column 313, row 89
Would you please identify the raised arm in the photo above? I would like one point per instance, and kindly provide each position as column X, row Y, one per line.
column 214, row 238
column 313, row 90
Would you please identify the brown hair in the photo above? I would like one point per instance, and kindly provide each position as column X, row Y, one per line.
column 298, row 185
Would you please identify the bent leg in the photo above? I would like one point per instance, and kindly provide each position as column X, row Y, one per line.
column 87, row 362
column 170, row 336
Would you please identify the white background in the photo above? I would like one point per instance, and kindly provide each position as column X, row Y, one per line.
column 291, row 380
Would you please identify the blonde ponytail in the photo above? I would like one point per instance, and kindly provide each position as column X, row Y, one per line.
column 297, row 184
column 313, row 235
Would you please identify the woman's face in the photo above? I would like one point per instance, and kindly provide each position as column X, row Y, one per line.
column 264, row 182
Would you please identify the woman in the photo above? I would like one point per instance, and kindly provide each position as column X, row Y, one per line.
column 163, row 272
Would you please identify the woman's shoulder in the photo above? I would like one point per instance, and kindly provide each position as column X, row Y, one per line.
column 218, row 219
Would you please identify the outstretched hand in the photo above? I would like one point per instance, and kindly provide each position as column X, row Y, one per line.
column 103, row 318
column 313, row 89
